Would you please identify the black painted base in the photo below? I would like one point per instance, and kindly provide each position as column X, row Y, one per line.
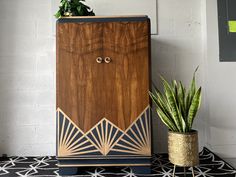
column 4, row 158
column 141, row 170
column 79, row 165
column 67, row 171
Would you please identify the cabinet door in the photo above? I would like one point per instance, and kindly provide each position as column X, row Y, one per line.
column 103, row 108
column 127, row 75
column 80, row 92
column 127, row 84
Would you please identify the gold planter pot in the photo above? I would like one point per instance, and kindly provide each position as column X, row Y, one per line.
column 183, row 148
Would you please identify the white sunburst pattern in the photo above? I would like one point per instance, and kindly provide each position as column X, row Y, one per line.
column 210, row 166
column 98, row 172
column 37, row 164
column 9, row 164
column 26, row 166
column 3, row 171
column 128, row 172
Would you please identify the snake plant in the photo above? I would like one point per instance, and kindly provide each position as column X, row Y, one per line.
column 176, row 106
column 73, row 8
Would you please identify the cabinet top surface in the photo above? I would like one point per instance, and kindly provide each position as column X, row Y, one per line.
column 102, row 18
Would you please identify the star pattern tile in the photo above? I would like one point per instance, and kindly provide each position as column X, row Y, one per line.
column 210, row 166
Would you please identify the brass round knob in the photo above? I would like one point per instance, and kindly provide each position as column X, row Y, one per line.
column 99, row 60
column 107, row 60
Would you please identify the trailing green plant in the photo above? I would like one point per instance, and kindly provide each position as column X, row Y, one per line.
column 73, row 8
column 177, row 107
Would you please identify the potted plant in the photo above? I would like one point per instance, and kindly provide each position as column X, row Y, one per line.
column 177, row 108
column 69, row 8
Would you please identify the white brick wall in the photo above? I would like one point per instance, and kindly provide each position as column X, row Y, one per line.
column 27, row 69
column 27, row 78
column 176, row 52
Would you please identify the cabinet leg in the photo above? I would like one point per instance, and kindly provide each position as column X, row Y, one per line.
column 141, row 170
column 68, row 171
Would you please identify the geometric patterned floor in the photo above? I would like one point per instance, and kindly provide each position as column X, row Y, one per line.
column 210, row 166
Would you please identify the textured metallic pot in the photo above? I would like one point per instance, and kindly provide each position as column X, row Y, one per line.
column 183, row 148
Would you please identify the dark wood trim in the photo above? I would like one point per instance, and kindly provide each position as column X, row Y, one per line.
column 103, row 19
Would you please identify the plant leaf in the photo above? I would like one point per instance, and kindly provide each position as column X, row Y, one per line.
column 166, row 120
column 74, row 8
column 163, row 105
column 195, row 105
column 172, row 102
column 191, row 91
column 58, row 14
column 166, row 108
column 79, row 10
column 65, row 6
column 181, row 98
column 155, row 87
column 154, row 98
column 175, row 87
column 175, row 107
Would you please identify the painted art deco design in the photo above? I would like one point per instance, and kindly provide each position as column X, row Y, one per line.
column 105, row 138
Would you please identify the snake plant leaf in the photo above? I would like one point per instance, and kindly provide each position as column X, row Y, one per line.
column 164, row 105
column 191, row 91
column 175, row 88
column 181, row 101
column 172, row 101
column 181, row 97
column 154, row 98
column 154, row 95
column 160, row 103
column 195, row 105
column 187, row 103
column 155, row 87
column 166, row 120
column 176, row 107
column 183, row 124
column 158, row 100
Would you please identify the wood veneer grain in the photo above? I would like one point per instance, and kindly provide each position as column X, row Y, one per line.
column 88, row 91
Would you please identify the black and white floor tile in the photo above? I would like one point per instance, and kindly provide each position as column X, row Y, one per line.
column 210, row 166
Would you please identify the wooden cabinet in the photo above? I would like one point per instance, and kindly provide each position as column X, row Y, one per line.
column 103, row 114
